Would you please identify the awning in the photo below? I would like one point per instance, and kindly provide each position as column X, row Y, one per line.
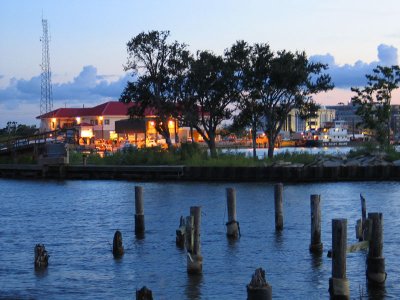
column 130, row 126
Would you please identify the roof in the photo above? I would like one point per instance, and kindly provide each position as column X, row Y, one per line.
column 111, row 108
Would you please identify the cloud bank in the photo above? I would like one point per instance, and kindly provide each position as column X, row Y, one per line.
column 347, row 76
column 87, row 87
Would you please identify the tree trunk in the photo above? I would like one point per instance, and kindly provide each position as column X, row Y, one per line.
column 169, row 143
column 212, row 147
column 254, row 142
column 271, row 146
column 191, row 133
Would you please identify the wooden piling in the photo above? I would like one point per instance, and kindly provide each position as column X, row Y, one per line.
column 194, row 258
column 41, row 257
column 258, row 288
column 180, row 233
column 118, row 248
column 315, row 245
column 139, row 215
column 278, row 195
column 232, row 226
column 338, row 283
column 362, row 237
column 144, row 294
column 375, row 261
column 84, row 159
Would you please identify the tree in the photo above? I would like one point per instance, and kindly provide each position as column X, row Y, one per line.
column 251, row 63
column 159, row 65
column 289, row 83
column 373, row 101
column 211, row 91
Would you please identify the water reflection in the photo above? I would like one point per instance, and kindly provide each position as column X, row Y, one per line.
column 193, row 287
column 316, row 260
column 279, row 238
column 41, row 272
column 376, row 292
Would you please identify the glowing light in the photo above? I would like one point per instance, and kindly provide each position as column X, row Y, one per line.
column 86, row 133
column 151, row 123
column 53, row 119
column 101, row 118
column 78, row 120
column 170, row 124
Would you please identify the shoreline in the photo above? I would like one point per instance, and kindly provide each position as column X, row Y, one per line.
column 286, row 173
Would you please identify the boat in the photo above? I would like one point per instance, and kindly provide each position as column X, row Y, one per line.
column 336, row 136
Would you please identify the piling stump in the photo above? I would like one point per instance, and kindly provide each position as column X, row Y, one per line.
column 144, row 294
column 194, row 258
column 315, row 245
column 278, row 195
column 41, row 257
column 232, row 226
column 375, row 273
column 139, row 215
column 180, row 233
column 258, row 288
column 118, row 248
column 338, row 283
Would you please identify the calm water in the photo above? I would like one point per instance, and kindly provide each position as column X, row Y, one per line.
column 76, row 221
column 263, row 152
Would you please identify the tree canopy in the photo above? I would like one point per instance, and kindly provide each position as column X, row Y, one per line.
column 212, row 91
column 374, row 101
column 158, row 65
column 204, row 90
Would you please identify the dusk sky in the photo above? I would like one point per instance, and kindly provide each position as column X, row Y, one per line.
column 88, row 42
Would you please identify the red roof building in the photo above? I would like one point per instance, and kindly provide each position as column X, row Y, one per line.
column 99, row 122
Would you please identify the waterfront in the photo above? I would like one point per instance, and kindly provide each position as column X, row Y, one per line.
column 263, row 152
column 76, row 221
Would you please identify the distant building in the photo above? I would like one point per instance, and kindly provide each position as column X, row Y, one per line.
column 294, row 123
column 347, row 113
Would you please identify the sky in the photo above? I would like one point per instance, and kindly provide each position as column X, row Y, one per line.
column 88, row 42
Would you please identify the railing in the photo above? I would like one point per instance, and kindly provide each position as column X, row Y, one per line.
column 31, row 140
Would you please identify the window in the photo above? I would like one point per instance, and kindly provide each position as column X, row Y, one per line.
column 106, row 121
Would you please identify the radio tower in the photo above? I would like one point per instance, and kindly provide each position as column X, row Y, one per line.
column 46, row 97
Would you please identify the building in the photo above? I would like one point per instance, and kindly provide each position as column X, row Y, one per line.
column 110, row 121
column 294, row 123
column 347, row 113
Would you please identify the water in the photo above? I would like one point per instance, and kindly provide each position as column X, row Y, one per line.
column 76, row 221
column 263, row 152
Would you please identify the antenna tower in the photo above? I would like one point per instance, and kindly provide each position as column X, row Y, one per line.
column 46, row 96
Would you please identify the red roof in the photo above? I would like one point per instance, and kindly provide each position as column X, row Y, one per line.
column 111, row 108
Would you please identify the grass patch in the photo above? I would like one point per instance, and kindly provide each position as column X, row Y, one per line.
column 188, row 154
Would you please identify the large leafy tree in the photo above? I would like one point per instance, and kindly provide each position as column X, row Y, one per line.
column 159, row 65
column 211, row 91
column 290, row 82
column 251, row 63
column 373, row 101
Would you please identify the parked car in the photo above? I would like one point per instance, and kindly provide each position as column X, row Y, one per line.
column 127, row 147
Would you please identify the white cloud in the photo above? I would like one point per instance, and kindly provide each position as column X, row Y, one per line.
column 347, row 76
